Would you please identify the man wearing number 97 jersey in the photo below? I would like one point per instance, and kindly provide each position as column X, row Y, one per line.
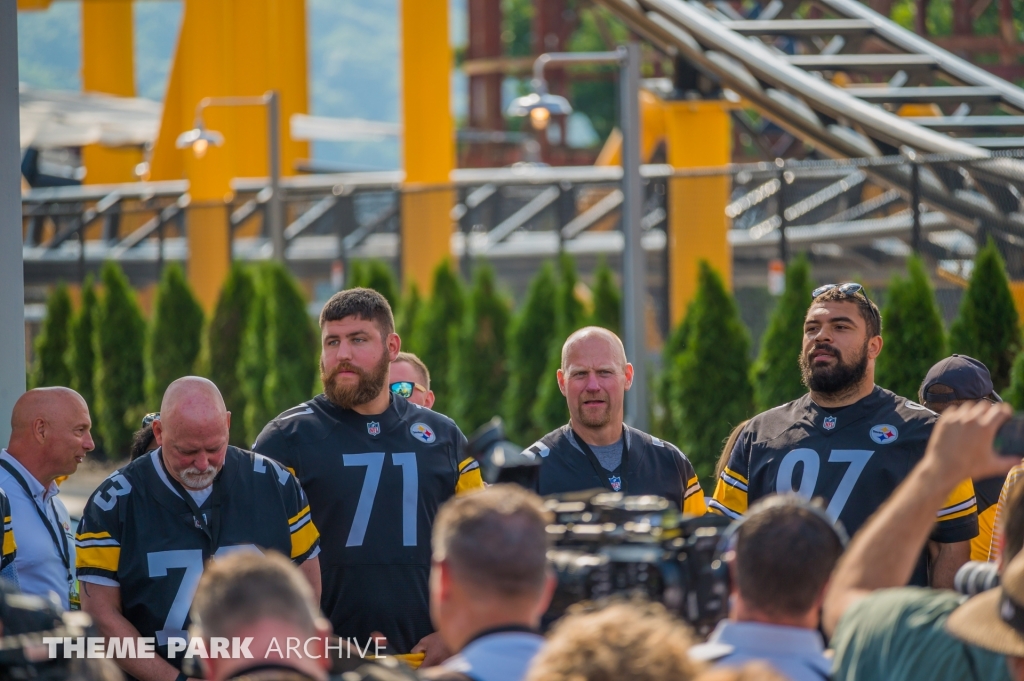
column 847, row 441
column 148, row 529
column 376, row 469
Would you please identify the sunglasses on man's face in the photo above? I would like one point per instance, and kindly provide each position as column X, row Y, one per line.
column 405, row 388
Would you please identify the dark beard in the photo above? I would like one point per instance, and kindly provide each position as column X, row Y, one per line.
column 369, row 386
column 834, row 381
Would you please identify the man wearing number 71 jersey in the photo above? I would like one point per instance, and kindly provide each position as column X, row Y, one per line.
column 847, row 441
column 148, row 529
column 376, row 468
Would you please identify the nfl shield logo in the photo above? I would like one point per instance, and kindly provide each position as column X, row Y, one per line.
column 616, row 482
column 373, row 428
column 830, row 422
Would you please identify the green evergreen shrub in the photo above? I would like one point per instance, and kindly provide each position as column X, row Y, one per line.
column 252, row 363
column 291, row 342
column 120, row 373
column 435, row 328
column 914, row 335
column 712, row 392
column 530, row 337
column 51, row 347
column 407, row 318
column 550, row 410
column 376, row 274
column 776, row 372
column 607, row 310
column 665, row 425
column 1015, row 393
column 82, row 356
column 987, row 326
column 175, row 334
column 222, row 349
column 478, row 371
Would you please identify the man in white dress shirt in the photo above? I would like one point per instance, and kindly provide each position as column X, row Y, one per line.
column 49, row 438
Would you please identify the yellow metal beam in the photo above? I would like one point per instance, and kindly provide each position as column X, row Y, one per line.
column 108, row 67
column 427, row 143
column 225, row 48
column 699, row 134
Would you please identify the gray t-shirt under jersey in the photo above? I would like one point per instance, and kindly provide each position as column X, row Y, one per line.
column 610, row 456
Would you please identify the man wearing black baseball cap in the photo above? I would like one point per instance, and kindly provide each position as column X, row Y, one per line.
column 956, row 380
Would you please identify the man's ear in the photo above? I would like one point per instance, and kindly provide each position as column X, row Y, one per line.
column 561, row 380
column 875, row 347
column 428, row 400
column 158, row 432
column 629, row 375
column 227, row 420
column 394, row 346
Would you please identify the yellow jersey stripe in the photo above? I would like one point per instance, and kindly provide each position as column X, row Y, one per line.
column 98, row 557
column 731, row 498
column 303, row 539
column 958, row 514
column 694, row 504
column 986, row 524
column 298, row 516
column 735, row 476
column 469, row 481
column 92, row 535
column 9, row 545
column 466, row 462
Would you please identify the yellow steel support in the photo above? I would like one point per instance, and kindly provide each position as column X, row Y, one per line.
column 108, row 67
column 33, row 5
column 428, row 145
column 229, row 47
column 699, row 135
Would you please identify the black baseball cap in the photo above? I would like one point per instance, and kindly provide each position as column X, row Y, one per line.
column 969, row 379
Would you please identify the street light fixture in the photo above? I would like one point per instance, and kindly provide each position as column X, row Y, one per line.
column 540, row 105
column 200, row 138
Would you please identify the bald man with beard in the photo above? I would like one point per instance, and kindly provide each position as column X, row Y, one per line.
column 148, row 530
column 49, row 438
column 596, row 450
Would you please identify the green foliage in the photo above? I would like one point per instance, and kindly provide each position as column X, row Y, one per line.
column 291, row 342
column 120, row 333
column 712, row 391
column 478, row 368
column 82, row 354
column 408, row 317
column 436, row 327
column 915, row 337
column 550, row 410
column 175, row 334
column 222, row 351
column 51, row 365
column 377, row 275
column 665, row 424
column 1015, row 393
column 987, row 327
column 607, row 299
column 530, row 335
column 252, row 364
column 776, row 372
column 516, row 20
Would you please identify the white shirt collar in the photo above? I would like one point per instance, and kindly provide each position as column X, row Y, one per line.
column 39, row 493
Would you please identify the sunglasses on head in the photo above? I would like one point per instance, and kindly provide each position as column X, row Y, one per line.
column 848, row 289
column 405, row 388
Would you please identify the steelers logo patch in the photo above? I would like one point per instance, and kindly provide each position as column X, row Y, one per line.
column 884, row 434
column 423, row 432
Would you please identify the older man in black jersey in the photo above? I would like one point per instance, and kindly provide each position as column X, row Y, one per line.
column 847, row 441
column 596, row 450
column 376, row 468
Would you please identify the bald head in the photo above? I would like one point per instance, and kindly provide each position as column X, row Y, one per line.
column 50, row 432
column 193, row 431
column 590, row 334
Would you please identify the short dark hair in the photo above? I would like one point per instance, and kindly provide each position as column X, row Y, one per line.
column 495, row 539
column 416, row 362
column 868, row 310
column 363, row 303
column 785, row 553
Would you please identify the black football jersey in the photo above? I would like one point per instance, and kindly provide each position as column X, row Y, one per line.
column 139, row 533
column 852, row 457
column 374, row 484
column 9, row 551
column 653, row 466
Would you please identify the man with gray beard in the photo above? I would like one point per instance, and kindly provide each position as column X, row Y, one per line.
column 376, row 468
column 149, row 528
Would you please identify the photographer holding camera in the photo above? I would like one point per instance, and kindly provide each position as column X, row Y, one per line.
column 595, row 449
column 490, row 581
column 780, row 556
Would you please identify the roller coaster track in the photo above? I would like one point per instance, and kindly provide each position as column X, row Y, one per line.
column 785, row 67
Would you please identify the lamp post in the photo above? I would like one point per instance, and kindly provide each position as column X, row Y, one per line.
column 539, row 106
column 200, row 138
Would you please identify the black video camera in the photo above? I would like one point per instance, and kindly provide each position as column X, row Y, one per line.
column 607, row 544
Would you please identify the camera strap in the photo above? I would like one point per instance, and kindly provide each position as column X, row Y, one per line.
column 602, row 472
column 62, row 542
